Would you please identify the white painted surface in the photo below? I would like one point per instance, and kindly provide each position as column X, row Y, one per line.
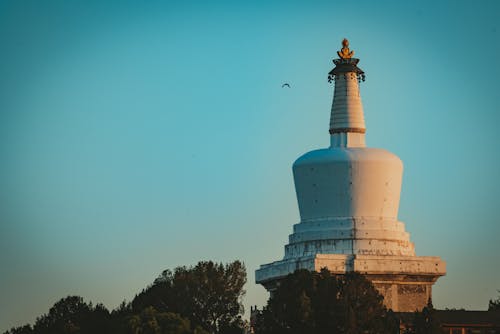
column 347, row 139
column 348, row 182
column 347, row 110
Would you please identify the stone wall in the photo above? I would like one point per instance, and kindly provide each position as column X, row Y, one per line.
column 404, row 281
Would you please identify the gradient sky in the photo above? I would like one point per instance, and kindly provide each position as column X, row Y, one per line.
column 137, row 136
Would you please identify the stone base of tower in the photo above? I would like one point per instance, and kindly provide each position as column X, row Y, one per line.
column 404, row 281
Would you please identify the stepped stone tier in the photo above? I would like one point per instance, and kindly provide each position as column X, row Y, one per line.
column 348, row 197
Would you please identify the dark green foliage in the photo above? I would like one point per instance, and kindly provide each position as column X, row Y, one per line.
column 73, row 315
column 202, row 299
column 26, row 329
column 494, row 305
column 426, row 321
column 150, row 321
column 208, row 294
column 123, row 310
column 312, row 302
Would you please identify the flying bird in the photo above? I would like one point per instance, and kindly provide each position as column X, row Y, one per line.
column 285, row 85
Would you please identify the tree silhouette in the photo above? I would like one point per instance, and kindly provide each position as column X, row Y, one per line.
column 26, row 329
column 494, row 305
column 202, row 299
column 150, row 321
column 426, row 321
column 73, row 315
column 208, row 294
column 312, row 302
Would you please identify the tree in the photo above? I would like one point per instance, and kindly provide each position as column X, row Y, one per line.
column 73, row 315
column 312, row 302
column 208, row 294
column 190, row 300
column 26, row 329
column 150, row 321
column 494, row 305
column 426, row 322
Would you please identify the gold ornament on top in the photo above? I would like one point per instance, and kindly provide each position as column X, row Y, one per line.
column 345, row 53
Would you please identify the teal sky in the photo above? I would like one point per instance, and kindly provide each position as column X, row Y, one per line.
column 137, row 136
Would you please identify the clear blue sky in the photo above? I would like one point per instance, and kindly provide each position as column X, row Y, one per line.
column 137, row 136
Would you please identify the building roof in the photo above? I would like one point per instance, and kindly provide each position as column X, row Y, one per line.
column 463, row 317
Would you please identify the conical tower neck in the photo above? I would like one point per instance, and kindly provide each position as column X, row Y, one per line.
column 347, row 123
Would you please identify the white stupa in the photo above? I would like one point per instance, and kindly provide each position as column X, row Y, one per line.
column 348, row 196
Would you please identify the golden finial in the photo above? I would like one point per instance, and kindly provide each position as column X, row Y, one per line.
column 345, row 53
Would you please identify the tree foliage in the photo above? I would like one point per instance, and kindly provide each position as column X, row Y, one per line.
column 494, row 305
column 73, row 315
column 312, row 302
column 426, row 321
column 150, row 321
column 208, row 294
column 202, row 299
column 26, row 329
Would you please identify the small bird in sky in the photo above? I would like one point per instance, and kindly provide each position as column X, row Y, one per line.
column 285, row 85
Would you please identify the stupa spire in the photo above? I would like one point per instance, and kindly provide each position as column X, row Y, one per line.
column 347, row 122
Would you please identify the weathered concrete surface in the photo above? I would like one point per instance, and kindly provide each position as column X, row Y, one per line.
column 404, row 281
